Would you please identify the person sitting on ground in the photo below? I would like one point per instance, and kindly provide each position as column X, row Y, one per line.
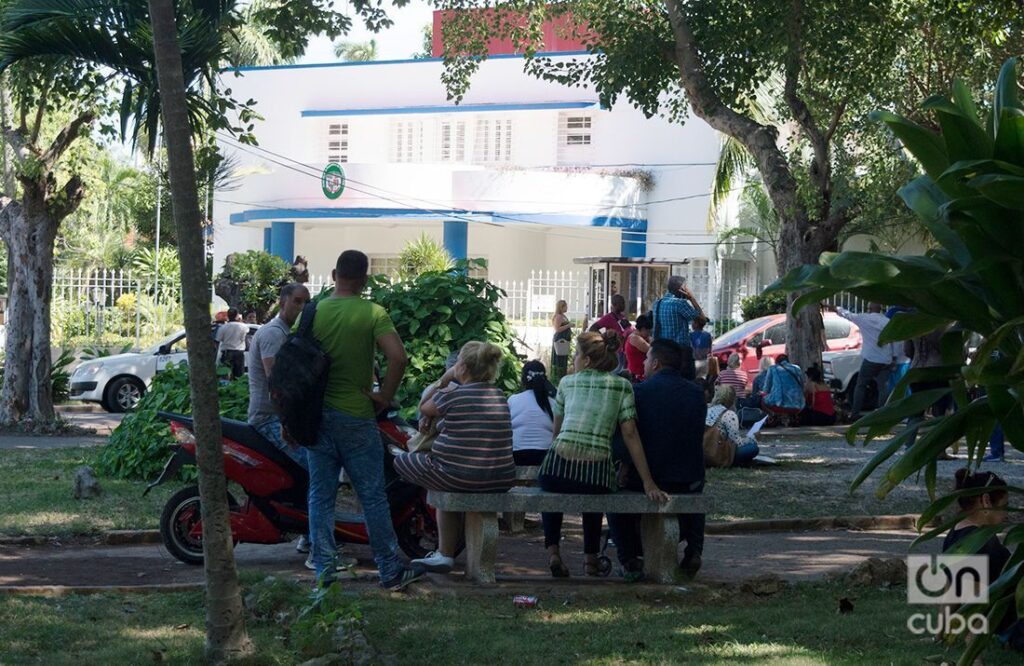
column 637, row 344
column 987, row 510
column 735, row 376
column 532, row 416
column 701, row 342
column 590, row 404
column 784, row 388
column 722, row 415
column 710, row 379
column 820, row 410
column 473, row 449
column 670, row 413
column 757, row 386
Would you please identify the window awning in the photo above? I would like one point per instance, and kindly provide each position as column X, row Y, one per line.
column 449, row 108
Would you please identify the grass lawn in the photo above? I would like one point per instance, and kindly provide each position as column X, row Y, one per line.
column 613, row 625
column 35, row 493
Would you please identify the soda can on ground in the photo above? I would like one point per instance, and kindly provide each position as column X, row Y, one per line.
column 523, row 601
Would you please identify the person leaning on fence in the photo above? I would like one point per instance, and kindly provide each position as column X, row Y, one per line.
column 673, row 313
column 561, row 340
column 532, row 416
column 590, row 404
column 473, row 449
column 670, row 413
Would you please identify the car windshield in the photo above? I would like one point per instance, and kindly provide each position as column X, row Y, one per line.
column 742, row 331
column 169, row 339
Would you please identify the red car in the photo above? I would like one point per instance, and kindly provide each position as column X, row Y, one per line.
column 769, row 335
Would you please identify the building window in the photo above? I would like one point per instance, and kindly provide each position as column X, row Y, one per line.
column 407, row 141
column 575, row 138
column 337, row 143
column 452, row 141
column 384, row 264
column 493, row 141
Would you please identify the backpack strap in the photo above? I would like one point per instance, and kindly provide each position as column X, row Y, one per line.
column 715, row 424
column 657, row 310
column 306, row 323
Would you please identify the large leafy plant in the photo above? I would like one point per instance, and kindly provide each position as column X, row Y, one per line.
column 971, row 200
column 436, row 313
column 254, row 279
column 138, row 447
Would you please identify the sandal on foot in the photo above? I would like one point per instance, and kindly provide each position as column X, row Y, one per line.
column 592, row 567
column 558, row 568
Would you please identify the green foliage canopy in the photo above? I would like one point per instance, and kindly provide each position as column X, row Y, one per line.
column 257, row 277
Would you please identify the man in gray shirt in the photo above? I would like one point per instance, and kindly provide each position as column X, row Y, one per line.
column 231, row 337
column 264, row 347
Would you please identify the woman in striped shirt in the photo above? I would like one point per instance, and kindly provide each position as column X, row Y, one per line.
column 473, row 449
column 735, row 377
column 589, row 405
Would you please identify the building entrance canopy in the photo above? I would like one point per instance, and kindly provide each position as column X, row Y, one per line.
column 640, row 280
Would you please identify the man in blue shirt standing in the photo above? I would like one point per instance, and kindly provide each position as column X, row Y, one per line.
column 670, row 414
column 673, row 313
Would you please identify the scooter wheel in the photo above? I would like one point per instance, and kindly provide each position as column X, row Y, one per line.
column 180, row 516
column 604, row 566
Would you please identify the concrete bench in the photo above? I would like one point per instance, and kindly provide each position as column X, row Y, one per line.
column 660, row 531
column 516, row 520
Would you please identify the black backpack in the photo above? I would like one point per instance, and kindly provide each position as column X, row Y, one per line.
column 299, row 380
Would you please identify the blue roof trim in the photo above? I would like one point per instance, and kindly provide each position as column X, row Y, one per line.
column 449, row 108
column 370, row 63
column 280, row 214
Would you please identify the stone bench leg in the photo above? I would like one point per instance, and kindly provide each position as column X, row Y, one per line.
column 660, row 534
column 516, row 521
column 481, row 545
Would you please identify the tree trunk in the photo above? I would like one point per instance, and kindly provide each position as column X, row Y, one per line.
column 226, row 637
column 30, row 232
column 805, row 339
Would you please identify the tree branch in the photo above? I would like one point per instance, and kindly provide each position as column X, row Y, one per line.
column 67, row 201
column 65, row 138
column 837, row 115
column 760, row 140
column 9, row 209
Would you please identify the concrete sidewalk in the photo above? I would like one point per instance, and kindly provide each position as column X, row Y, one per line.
column 794, row 556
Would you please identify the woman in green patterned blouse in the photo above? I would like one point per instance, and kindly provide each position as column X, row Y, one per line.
column 589, row 405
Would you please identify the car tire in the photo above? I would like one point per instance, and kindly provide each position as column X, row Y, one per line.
column 123, row 394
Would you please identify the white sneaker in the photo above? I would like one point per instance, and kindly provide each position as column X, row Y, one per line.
column 303, row 545
column 435, row 563
column 341, row 562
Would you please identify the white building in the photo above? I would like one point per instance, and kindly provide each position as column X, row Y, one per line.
column 527, row 174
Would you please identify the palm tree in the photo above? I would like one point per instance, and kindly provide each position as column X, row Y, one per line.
column 756, row 219
column 226, row 637
column 356, row 51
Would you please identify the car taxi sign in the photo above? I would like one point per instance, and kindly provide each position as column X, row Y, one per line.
column 332, row 181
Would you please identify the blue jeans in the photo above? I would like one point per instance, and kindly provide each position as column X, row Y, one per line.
column 353, row 443
column 271, row 431
column 997, row 443
column 745, row 454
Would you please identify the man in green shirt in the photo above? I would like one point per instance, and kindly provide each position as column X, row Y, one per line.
column 350, row 329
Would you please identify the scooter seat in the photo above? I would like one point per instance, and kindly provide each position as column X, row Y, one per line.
column 246, row 435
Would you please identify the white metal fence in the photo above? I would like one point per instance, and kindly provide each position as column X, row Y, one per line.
column 110, row 307
column 529, row 304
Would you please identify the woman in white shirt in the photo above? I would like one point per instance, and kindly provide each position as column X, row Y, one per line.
column 532, row 418
column 721, row 415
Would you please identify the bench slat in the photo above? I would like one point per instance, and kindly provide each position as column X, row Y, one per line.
column 534, row 500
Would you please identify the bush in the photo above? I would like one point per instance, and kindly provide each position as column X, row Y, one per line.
column 250, row 281
column 760, row 305
column 435, row 314
column 138, row 447
column 423, row 255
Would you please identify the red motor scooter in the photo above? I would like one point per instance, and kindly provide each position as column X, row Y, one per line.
column 275, row 510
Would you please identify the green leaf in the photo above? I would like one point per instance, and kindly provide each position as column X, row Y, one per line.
column 964, row 136
column 926, row 146
column 925, row 198
column 881, row 456
column 907, row 325
column 1006, row 97
column 1009, row 144
column 1005, row 190
column 893, row 413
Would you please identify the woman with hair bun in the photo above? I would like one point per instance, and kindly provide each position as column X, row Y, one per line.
column 589, row 405
column 473, row 449
column 987, row 508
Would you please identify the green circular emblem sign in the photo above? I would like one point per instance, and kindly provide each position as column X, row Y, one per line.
column 332, row 181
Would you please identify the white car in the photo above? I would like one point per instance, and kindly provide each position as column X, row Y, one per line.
column 840, row 370
column 119, row 382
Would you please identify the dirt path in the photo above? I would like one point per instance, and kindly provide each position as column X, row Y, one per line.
column 800, row 556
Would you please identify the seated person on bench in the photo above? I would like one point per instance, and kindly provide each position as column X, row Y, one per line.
column 670, row 415
column 532, row 416
column 590, row 404
column 473, row 449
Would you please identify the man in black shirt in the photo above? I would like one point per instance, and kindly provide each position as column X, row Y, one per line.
column 670, row 418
